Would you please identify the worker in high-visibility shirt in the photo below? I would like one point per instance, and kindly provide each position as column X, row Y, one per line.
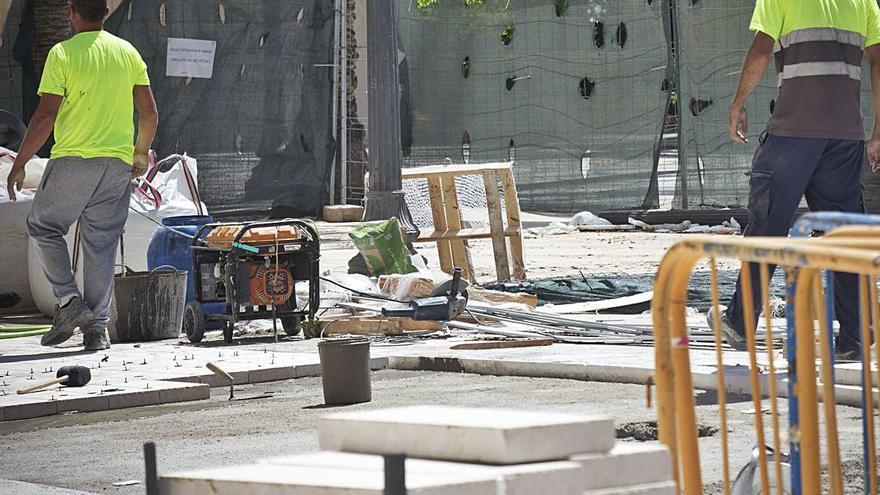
column 814, row 145
column 89, row 88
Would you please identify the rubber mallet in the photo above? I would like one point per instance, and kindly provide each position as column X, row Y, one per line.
column 69, row 376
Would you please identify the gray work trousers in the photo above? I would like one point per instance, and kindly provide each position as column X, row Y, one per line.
column 96, row 192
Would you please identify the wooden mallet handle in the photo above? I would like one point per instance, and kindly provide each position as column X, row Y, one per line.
column 43, row 385
column 222, row 374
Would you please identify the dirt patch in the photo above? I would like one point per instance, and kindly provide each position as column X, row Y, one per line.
column 646, row 431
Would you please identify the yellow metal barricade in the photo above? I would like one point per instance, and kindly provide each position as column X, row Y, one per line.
column 850, row 249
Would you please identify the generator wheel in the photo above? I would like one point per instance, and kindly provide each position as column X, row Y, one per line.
column 194, row 322
column 292, row 325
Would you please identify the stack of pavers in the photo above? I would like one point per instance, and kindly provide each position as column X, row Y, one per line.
column 451, row 451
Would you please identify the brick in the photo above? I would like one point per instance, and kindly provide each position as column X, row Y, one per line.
column 483, row 436
column 268, row 479
column 625, row 464
column 240, row 377
column 557, row 478
column 663, row 488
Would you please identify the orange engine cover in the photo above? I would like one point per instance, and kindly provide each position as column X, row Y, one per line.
column 270, row 285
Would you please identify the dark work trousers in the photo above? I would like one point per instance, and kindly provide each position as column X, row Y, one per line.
column 828, row 173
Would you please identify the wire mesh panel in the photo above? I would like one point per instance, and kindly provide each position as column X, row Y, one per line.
column 261, row 125
column 571, row 91
column 713, row 39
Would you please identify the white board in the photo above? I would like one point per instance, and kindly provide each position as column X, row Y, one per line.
column 190, row 58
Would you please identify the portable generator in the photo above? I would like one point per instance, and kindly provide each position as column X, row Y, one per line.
column 254, row 267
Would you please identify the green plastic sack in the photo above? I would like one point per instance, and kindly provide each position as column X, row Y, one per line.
column 382, row 246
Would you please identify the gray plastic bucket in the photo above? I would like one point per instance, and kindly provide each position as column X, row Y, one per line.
column 345, row 370
column 148, row 305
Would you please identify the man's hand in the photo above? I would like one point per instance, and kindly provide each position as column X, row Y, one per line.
column 15, row 181
column 874, row 153
column 139, row 164
column 738, row 124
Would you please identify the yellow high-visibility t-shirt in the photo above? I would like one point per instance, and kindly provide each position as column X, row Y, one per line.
column 96, row 73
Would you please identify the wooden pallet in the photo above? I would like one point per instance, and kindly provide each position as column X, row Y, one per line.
column 449, row 233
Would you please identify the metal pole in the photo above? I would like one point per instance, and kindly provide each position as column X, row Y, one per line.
column 385, row 198
column 152, row 477
column 395, row 475
column 343, row 172
column 336, row 47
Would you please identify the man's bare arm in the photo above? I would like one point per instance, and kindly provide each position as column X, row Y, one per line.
column 148, row 121
column 39, row 130
column 755, row 64
column 873, row 53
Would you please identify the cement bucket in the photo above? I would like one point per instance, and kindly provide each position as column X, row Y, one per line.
column 148, row 305
column 345, row 370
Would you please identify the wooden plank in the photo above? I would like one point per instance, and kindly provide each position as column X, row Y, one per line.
column 502, row 344
column 592, row 306
column 451, row 170
column 453, row 222
column 511, row 204
column 438, row 235
column 496, row 226
column 485, row 295
column 374, row 326
column 438, row 213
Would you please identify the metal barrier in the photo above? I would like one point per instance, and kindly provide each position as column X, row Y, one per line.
column 805, row 226
column 848, row 249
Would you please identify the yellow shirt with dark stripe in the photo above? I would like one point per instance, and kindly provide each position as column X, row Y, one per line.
column 96, row 73
column 818, row 54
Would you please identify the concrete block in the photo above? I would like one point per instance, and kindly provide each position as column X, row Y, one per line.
column 308, row 370
column 483, row 436
column 134, row 398
column 558, row 478
column 240, row 377
column 89, row 403
column 272, row 374
column 268, row 479
column 186, row 393
column 27, row 407
column 343, row 213
column 663, row 488
column 625, row 464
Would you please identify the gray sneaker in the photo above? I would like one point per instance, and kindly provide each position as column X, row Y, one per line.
column 75, row 314
column 731, row 336
column 96, row 338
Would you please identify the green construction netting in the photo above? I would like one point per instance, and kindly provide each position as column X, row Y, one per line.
column 526, row 80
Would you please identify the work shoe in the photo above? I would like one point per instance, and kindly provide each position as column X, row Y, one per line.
column 731, row 336
column 74, row 314
column 852, row 355
column 96, row 338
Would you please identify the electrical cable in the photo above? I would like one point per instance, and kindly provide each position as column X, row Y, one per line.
column 367, row 295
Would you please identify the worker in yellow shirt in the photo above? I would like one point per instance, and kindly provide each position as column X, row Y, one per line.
column 814, row 146
column 89, row 88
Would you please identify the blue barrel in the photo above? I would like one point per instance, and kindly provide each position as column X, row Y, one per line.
column 168, row 247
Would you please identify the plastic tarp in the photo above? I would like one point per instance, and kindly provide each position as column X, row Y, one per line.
column 571, row 152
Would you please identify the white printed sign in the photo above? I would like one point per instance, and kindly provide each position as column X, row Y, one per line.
column 190, row 58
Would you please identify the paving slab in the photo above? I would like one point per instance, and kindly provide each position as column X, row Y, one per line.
column 268, row 479
column 626, row 464
column 482, row 436
column 665, row 488
column 12, row 487
column 558, row 478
